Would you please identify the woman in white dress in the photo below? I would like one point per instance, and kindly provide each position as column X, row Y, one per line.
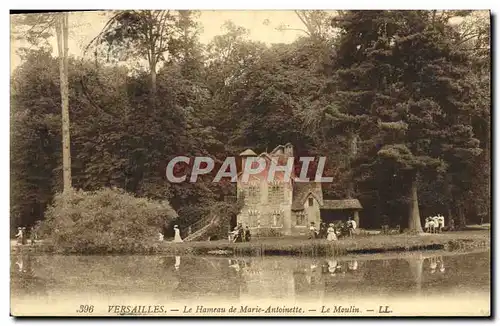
column 440, row 219
column 331, row 233
column 431, row 224
column 177, row 236
column 20, row 235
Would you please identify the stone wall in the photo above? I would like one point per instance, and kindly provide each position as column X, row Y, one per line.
column 267, row 208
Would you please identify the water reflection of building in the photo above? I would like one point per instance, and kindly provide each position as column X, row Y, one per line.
column 295, row 278
column 266, row 278
column 310, row 281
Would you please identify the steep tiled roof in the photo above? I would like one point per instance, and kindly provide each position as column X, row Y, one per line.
column 301, row 191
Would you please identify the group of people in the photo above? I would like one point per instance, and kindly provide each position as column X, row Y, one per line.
column 32, row 233
column 434, row 224
column 240, row 234
column 332, row 232
column 323, row 233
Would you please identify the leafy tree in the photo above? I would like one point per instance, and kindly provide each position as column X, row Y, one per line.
column 39, row 30
column 412, row 92
column 35, row 153
column 148, row 35
column 474, row 38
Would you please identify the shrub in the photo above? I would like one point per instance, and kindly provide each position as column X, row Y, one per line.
column 105, row 221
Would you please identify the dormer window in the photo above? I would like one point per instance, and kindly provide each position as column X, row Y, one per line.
column 311, row 201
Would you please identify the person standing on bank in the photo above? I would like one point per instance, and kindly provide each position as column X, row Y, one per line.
column 19, row 235
column 312, row 231
column 240, row 234
column 440, row 219
column 248, row 235
column 322, row 230
column 24, row 238
column 177, row 235
column 331, row 233
column 352, row 226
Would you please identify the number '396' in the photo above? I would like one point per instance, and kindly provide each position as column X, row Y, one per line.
column 85, row 308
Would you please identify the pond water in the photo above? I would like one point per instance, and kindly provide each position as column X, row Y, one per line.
column 430, row 283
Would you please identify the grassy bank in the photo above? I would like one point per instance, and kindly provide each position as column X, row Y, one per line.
column 466, row 240
column 367, row 244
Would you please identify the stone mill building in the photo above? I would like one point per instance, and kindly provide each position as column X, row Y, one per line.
column 283, row 207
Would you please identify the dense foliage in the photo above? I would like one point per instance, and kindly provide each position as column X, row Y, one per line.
column 105, row 221
column 398, row 101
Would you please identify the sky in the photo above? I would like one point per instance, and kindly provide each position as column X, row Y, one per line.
column 84, row 26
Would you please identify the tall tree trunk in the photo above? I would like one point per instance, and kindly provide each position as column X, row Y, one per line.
column 450, row 214
column 353, row 151
column 449, row 199
column 487, row 184
column 152, row 71
column 414, row 217
column 461, row 216
column 62, row 46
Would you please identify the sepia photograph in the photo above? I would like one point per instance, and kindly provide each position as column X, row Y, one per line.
column 250, row 163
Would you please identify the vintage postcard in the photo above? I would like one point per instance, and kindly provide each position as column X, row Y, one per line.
column 250, row 163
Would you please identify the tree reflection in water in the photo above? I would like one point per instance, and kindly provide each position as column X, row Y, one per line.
column 416, row 268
